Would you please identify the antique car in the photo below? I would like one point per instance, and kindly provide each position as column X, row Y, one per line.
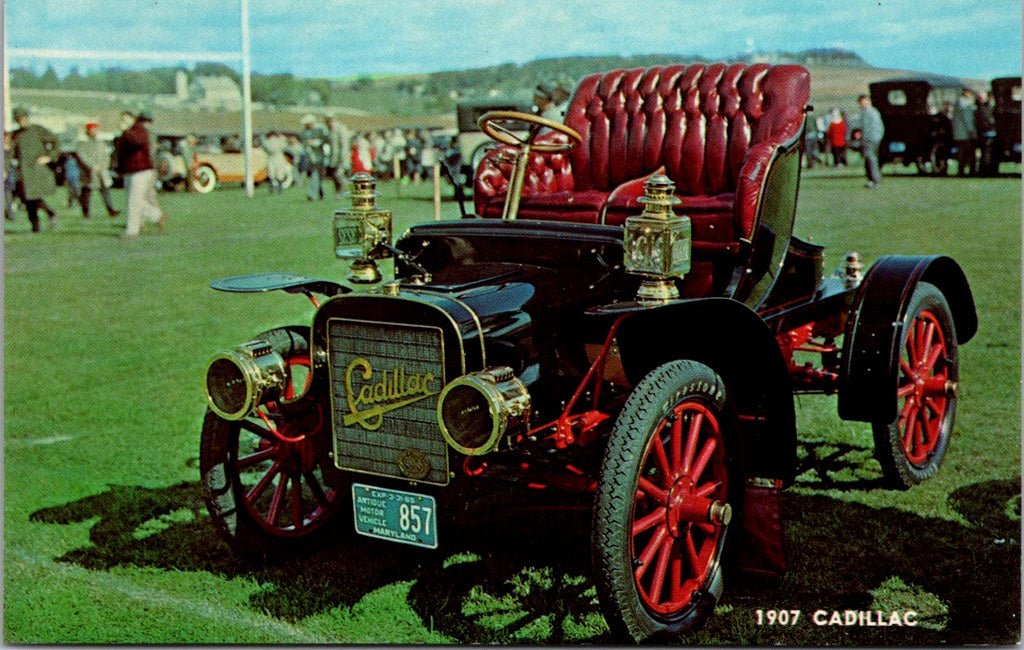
column 172, row 168
column 1007, row 96
column 916, row 115
column 625, row 319
column 215, row 164
column 471, row 142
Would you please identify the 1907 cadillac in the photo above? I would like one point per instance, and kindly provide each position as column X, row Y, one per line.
column 626, row 316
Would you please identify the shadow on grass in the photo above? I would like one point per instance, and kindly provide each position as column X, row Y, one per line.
column 521, row 572
column 522, row 575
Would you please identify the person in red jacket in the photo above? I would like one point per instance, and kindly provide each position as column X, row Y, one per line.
column 136, row 164
column 836, row 134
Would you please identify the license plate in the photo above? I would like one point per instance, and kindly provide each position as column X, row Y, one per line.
column 395, row 515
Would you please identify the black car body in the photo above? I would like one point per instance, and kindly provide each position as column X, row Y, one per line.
column 557, row 358
column 1006, row 92
column 916, row 115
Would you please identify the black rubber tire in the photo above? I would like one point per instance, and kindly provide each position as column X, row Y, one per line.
column 903, row 467
column 648, row 412
column 240, row 518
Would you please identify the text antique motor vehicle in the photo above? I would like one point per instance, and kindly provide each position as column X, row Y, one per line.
column 633, row 327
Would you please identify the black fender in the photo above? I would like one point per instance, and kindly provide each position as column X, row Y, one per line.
column 869, row 371
column 729, row 337
column 289, row 282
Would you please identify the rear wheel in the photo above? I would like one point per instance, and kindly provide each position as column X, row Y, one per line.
column 204, row 179
column 912, row 446
column 661, row 512
column 268, row 479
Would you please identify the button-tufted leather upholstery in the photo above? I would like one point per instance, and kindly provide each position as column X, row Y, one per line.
column 713, row 129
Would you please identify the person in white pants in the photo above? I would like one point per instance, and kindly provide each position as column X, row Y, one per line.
column 136, row 164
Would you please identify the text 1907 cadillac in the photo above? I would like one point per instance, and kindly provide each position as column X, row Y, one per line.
column 633, row 327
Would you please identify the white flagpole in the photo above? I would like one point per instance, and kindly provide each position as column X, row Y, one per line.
column 250, row 189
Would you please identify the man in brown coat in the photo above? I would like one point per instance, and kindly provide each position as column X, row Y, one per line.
column 34, row 147
column 136, row 165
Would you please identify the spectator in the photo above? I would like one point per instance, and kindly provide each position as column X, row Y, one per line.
column 188, row 151
column 123, row 124
column 985, row 124
column 836, row 137
column 294, row 149
column 314, row 141
column 428, row 157
column 338, row 160
column 965, row 134
column 10, row 177
column 872, row 130
column 397, row 143
column 95, row 157
column 278, row 167
column 34, row 147
column 362, row 158
column 72, row 176
column 379, row 152
column 413, row 156
column 812, row 143
column 136, row 163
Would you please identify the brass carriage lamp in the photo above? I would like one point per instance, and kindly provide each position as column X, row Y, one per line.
column 656, row 243
column 362, row 232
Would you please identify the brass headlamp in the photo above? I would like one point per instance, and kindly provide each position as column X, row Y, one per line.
column 239, row 380
column 363, row 231
column 479, row 410
column 657, row 242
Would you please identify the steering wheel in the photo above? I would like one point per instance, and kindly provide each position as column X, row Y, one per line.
column 489, row 124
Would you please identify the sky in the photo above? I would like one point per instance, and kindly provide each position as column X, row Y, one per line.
column 976, row 39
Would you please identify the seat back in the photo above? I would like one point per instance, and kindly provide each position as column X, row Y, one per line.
column 696, row 121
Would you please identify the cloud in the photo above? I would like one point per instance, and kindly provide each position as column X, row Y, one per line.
column 352, row 37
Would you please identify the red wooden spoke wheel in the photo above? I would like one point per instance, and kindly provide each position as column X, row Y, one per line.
column 268, row 480
column 677, row 517
column 662, row 507
column 924, row 387
column 912, row 446
column 276, row 462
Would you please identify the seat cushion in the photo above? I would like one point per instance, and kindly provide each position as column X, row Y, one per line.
column 579, row 207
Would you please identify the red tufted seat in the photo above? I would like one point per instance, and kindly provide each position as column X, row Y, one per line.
column 713, row 129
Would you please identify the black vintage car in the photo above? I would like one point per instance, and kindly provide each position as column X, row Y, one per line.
column 1006, row 92
column 636, row 341
column 916, row 115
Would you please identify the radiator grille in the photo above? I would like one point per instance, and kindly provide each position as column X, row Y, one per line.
column 385, row 380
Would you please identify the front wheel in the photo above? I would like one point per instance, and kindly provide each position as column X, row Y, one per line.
column 268, row 479
column 662, row 511
column 912, row 446
column 203, row 179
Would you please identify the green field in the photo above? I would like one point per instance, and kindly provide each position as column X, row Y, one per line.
column 106, row 539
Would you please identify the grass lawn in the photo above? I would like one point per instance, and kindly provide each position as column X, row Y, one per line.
column 106, row 539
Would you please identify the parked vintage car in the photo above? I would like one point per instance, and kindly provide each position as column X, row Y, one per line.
column 219, row 164
column 471, row 142
column 1006, row 91
column 916, row 114
column 209, row 161
column 624, row 318
column 172, row 168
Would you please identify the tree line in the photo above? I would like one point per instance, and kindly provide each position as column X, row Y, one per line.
column 436, row 89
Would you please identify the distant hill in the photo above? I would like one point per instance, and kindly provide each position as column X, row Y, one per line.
column 511, row 77
column 374, row 102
